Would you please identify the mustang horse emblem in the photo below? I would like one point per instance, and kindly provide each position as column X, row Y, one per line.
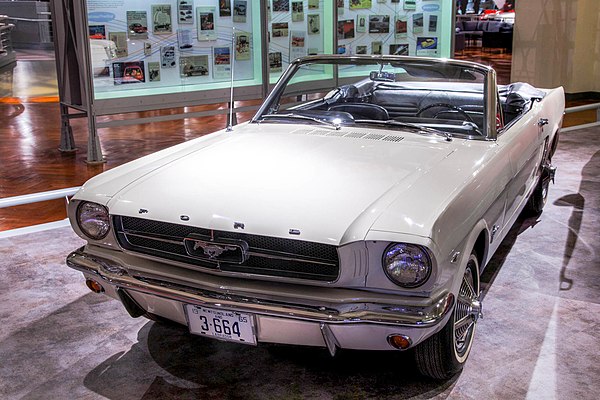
column 213, row 251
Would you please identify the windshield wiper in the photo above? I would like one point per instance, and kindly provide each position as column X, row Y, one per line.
column 415, row 127
column 299, row 116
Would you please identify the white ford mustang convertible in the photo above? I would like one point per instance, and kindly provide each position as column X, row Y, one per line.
column 356, row 210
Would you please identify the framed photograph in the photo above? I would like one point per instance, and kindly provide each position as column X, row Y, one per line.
column 298, row 39
column 128, row 72
column 161, row 19
column 97, row 31
column 417, row 22
column 341, row 49
column 401, row 27
column 222, row 62
column 281, row 5
column 275, row 62
column 191, row 66
column 313, row 4
column 360, row 4
column 205, row 16
column 279, row 29
column 167, row 57
column 297, row 11
column 361, row 49
column 399, row 49
column 240, row 8
column 242, row 46
column 147, row 49
column 379, row 24
column 340, row 7
column 376, row 48
column 137, row 25
column 184, row 39
column 433, row 23
column 224, row 8
column 427, row 46
column 154, row 71
column 410, row 4
column 345, row 29
column 120, row 40
column 185, row 12
column 314, row 24
column 361, row 23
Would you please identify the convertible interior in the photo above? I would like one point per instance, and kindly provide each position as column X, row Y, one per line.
column 452, row 107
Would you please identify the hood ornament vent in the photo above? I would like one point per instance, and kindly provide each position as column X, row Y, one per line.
column 364, row 134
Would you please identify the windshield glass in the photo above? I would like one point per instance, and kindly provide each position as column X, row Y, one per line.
column 384, row 92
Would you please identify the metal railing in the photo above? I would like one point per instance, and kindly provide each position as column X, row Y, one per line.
column 595, row 106
column 5, row 42
column 38, row 197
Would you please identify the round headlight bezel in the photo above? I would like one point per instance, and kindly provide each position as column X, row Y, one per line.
column 99, row 210
column 422, row 251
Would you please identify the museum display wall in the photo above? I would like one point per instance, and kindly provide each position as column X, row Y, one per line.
column 140, row 48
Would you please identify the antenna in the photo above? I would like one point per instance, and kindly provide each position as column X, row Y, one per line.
column 230, row 124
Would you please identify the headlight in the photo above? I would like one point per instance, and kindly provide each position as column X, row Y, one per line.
column 93, row 220
column 406, row 265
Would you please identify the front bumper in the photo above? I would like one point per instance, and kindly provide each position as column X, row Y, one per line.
column 358, row 321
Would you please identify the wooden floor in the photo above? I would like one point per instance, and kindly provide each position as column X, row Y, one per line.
column 30, row 135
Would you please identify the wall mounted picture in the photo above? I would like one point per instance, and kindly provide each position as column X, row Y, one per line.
column 361, row 49
column 410, row 4
column 281, row 5
column 240, row 8
column 147, row 49
column 184, row 39
column 417, row 23
column 297, row 11
column 345, row 29
column 97, row 31
column 153, row 72
column 206, row 23
column 361, row 23
column 280, row 29
column 275, row 62
column 298, row 39
column 161, row 18
column 341, row 49
column 313, row 4
column 360, row 4
column 221, row 62
column 401, row 27
column 433, row 23
column 242, row 46
column 314, row 24
column 120, row 40
column 224, row 8
column 128, row 72
column 193, row 66
column 379, row 24
column 185, row 12
column 399, row 49
column 376, row 48
column 167, row 57
column 427, row 46
column 382, row 1
column 137, row 25
column 313, row 51
column 340, row 7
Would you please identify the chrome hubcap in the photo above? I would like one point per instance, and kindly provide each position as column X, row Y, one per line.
column 468, row 311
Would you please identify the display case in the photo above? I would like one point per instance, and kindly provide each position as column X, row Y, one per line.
column 181, row 49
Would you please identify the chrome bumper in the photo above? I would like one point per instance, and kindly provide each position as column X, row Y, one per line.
column 110, row 272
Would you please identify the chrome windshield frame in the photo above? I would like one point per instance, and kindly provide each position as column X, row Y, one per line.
column 490, row 88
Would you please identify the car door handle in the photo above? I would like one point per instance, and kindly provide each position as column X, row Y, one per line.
column 543, row 121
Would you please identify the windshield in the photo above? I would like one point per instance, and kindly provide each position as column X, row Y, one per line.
column 384, row 92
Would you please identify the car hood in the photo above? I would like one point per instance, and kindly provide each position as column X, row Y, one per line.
column 274, row 178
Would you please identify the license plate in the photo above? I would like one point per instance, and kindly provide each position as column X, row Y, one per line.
column 221, row 324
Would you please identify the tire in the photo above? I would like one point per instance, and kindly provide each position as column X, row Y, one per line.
column 539, row 196
column 444, row 354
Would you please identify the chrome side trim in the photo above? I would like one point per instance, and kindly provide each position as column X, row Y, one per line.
column 338, row 313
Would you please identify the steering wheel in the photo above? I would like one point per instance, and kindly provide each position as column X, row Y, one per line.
column 448, row 106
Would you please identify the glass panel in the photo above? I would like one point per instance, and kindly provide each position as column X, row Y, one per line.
column 173, row 46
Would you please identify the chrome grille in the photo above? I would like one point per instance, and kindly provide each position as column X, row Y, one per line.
column 268, row 256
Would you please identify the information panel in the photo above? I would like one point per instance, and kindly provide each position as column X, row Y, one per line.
column 141, row 48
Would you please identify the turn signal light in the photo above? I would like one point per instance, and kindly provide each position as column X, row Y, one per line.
column 400, row 342
column 94, row 286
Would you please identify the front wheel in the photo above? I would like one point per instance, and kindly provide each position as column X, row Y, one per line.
column 444, row 354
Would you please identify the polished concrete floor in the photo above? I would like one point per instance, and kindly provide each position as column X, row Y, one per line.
column 539, row 338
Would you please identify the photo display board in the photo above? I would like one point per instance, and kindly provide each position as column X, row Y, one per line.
column 141, row 48
column 403, row 27
column 298, row 28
